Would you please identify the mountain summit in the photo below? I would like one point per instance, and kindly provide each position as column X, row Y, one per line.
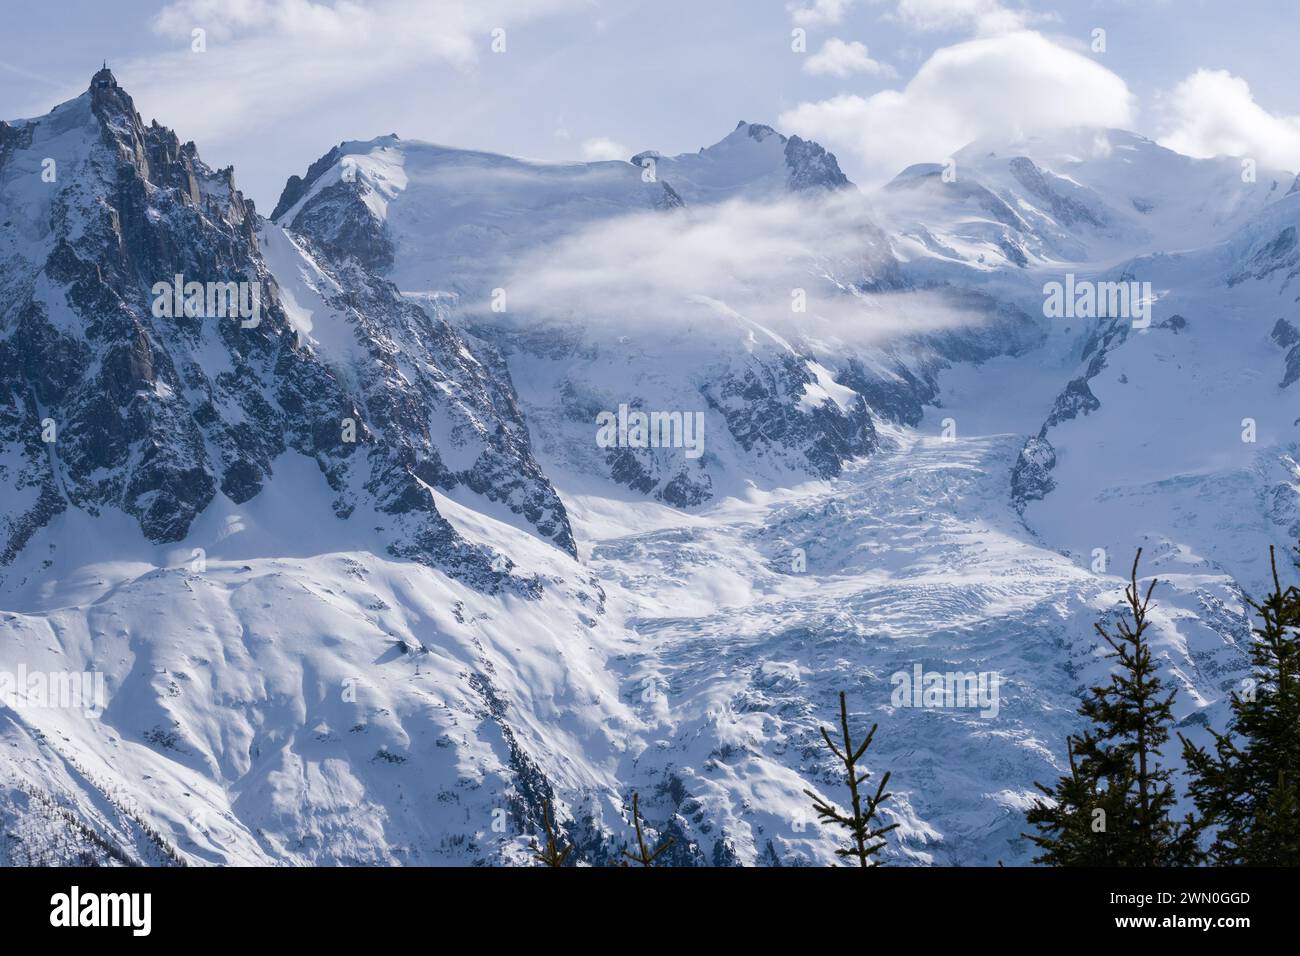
column 752, row 162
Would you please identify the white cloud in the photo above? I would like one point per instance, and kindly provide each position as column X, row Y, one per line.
column 1003, row 85
column 983, row 16
column 1213, row 113
column 225, row 18
column 838, row 58
column 681, row 270
column 819, row 13
column 601, row 147
column 266, row 59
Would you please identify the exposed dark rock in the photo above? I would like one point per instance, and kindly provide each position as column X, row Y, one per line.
column 1051, row 190
column 297, row 186
column 812, row 167
column 1276, row 254
column 1285, row 334
column 762, row 408
column 1292, row 370
column 341, row 224
column 156, row 413
column 1031, row 477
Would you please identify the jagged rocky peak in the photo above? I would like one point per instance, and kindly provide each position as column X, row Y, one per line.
column 86, row 369
column 753, row 161
column 148, row 364
column 341, row 202
column 154, row 150
column 297, row 186
column 812, row 166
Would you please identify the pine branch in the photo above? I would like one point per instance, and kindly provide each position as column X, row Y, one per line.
column 552, row 855
column 644, row 855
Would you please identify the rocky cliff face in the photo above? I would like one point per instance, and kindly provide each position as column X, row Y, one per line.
column 1286, row 336
column 118, row 391
column 439, row 402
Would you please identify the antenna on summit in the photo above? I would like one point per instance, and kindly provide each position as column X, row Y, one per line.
column 103, row 80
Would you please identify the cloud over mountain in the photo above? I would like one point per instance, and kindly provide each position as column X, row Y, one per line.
column 989, row 86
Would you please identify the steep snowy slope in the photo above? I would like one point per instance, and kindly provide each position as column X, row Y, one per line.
column 1188, row 430
column 435, row 219
column 296, row 697
column 195, row 499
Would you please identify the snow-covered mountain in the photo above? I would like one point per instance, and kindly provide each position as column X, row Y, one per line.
column 338, row 427
column 1189, row 425
column 417, row 212
column 1072, row 195
column 752, row 161
column 366, row 582
column 461, row 232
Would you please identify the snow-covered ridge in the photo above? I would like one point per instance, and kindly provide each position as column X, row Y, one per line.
column 460, row 208
column 592, row 280
column 415, row 211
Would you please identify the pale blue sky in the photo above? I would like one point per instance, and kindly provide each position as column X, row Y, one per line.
column 283, row 80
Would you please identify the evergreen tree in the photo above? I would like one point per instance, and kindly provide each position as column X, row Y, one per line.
column 861, row 824
column 1114, row 808
column 1249, row 785
column 1072, row 828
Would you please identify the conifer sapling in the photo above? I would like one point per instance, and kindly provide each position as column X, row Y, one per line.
column 867, row 838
